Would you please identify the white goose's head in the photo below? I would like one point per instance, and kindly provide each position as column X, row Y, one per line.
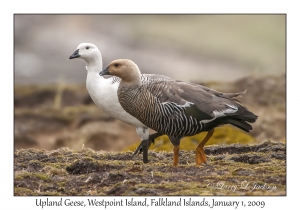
column 88, row 52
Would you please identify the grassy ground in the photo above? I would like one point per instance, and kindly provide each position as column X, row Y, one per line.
column 232, row 170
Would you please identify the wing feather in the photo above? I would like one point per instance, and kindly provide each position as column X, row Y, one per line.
column 199, row 101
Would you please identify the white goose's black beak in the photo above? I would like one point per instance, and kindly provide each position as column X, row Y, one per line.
column 75, row 54
column 104, row 72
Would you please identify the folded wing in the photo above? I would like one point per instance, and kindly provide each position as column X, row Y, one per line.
column 206, row 105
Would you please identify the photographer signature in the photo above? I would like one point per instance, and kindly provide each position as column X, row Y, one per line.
column 245, row 185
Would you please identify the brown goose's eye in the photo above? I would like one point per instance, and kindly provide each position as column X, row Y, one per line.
column 116, row 64
column 87, row 47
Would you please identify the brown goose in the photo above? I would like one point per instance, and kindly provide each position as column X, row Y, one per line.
column 177, row 108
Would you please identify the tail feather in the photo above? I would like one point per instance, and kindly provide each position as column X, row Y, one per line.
column 240, row 124
column 241, row 119
column 248, row 118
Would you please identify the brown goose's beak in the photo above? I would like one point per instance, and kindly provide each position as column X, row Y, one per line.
column 104, row 72
column 75, row 54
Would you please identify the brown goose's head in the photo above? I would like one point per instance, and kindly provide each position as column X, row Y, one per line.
column 127, row 70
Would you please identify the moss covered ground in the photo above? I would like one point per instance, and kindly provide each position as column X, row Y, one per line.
column 236, row 169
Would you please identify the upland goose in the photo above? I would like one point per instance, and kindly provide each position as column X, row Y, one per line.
column 177, row 108
column 104, row 93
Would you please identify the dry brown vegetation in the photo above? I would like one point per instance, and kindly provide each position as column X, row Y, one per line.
column 232, row 170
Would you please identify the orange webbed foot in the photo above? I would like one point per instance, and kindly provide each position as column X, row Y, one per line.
column 200, row 156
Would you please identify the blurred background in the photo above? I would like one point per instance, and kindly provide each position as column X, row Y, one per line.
column 229, row 53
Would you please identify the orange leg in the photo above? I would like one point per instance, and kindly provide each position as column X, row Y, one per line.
column 176, row 154
column 200, row 155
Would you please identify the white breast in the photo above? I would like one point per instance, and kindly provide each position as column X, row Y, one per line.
column 104, row 95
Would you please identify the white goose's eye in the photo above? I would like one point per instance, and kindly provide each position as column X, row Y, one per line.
column 87, row 47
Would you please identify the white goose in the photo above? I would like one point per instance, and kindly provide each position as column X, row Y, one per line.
column 104, row 93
